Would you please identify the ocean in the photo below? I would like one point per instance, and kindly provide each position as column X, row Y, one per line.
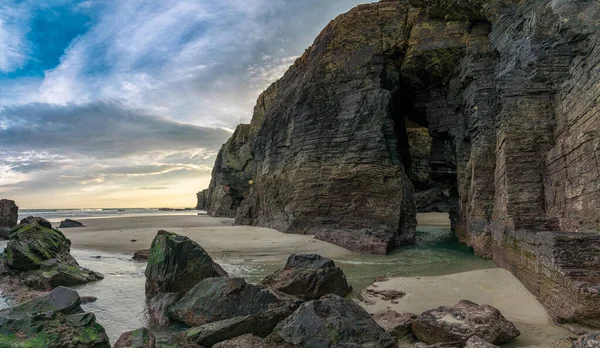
column 56, row 215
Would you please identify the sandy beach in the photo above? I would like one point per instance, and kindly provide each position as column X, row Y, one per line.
column 217, row 236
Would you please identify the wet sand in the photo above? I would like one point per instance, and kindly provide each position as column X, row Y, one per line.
column 496, row 287
column 217, row 236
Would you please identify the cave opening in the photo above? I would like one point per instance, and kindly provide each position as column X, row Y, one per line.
column 427, row 154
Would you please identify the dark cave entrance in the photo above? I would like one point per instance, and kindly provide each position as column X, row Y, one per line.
column 428, row 156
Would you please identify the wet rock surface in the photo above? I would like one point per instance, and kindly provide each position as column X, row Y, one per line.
column 331, row 322
column 461, row 322
column 396, row 324
column 9, row 213
column 309, row 277
column 140, row 338
column 39, row 256
column 175, row 265
column 215, row 299
column 68, row 223
column 52, row 320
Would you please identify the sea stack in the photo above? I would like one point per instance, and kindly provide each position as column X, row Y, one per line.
column 486, row 110
column 9, row 213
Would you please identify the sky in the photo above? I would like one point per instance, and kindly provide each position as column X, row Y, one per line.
column 112, row 103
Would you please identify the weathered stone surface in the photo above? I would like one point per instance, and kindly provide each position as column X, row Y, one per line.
column 587, row 341
column 508, row 92
column 9, row 213
column 309, row 277
column 231, row 176
column 140, row 338
column 52, row 320
column 244, row 341
column 215, row 299
column 175, row 265
column 68, row 223
column 461, row 322
column 40, row 256
column 332, row 322
column 476, row 342
column 202, row 200
column 396, row 324
column 260, row 324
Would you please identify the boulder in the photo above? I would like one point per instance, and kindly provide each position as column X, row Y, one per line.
column 5, row 233
column 476, row 342
column 396, row 324
column 53, row 320
column 309, row 277
column 68, row 223
column 244, row 341
column 9, row 213
column 40, row 255
column 331, row 322
column 175, row 265
column 215, row 299
column 463, row 321
column 588, row 341
column 141, row 255
column 140, row 338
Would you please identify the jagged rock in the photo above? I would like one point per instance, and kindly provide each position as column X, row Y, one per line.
column 244, row 341
column 68, row 223
column 9, row 213
column 587, row 341
column 461, row 322
column 202, row 197
column 309, row 277
column 331, row 322
column 215, row 299
column 52, row 320
column 396, row 324
column 175, row 265
column 40, row 256
column 140, row 338
column 476, row 342
column 260, row 324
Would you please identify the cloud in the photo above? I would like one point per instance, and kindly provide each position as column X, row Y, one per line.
column 99, row 129
column 14, row 47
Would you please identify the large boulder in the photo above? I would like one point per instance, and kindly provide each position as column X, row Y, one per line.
column 140, row 338
column 463, row 321
column 52, row 320
column 175, row 265
column 215, row 299
column 68, row 223
column 331, row 322
column 9, row 213
column 40, row 256
column 309, row 277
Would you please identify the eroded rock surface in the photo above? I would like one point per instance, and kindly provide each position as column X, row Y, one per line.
column 52, row 320
column 461, row 322
column 215, row 299
column 309, row 277
column 331, row 322
column 396, row 324
column 587, row 341
column 175, row 265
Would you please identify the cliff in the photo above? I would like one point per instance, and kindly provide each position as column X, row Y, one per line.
column 485, row 109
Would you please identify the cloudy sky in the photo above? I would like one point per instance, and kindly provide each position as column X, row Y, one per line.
column 111, row 103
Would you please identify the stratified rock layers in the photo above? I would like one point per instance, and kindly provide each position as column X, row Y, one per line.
column 508, row 92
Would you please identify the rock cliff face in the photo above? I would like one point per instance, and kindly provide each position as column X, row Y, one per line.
column 485, row 109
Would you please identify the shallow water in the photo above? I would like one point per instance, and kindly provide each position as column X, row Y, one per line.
column 120, row 304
